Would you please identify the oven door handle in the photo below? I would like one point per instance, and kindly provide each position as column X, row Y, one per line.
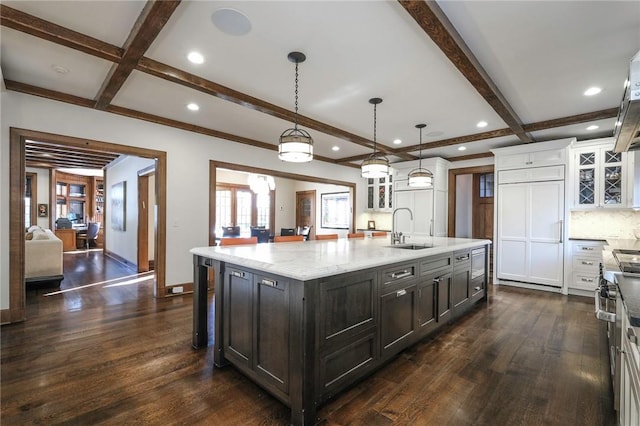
column 600, row 314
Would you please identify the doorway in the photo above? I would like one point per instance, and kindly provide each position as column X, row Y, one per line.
column 18, row 138
column 306, row 210
column 146, row 219
column 471, row 204
column 482, row 210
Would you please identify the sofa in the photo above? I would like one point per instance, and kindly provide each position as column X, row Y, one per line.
column 42, row 257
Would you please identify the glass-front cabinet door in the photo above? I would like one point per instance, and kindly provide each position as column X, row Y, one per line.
column 380, row 193
column 600, row 175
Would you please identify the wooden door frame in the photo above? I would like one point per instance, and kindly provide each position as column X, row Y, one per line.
column 17, row 166
column 213, row 168
column 305, row 192
column 451, row 226
column 143, row 218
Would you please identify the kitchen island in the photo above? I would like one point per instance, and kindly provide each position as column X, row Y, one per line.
column 306, row 320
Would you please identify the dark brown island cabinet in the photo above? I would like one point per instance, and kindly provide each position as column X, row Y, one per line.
column 305, row 341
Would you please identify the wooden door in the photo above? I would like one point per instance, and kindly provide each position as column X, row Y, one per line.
column 306, row 210
column 482, row 212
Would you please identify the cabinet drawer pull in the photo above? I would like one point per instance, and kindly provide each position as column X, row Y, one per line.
column 270, row 283
column 587, row 248
column 477, row 288
column 584, row 262
column 528, row 162
column 436, row 280
column 631, row 335
column 401, row 293
column 237, row 274
column 401, row 274
column 461, row 258
column 586, row 280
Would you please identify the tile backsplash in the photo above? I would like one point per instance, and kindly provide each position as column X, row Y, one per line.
column 603, row 224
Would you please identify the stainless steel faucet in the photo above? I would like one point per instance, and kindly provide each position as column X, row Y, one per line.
column 397, row 237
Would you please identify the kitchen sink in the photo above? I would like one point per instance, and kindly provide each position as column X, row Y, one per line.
column 412, row 246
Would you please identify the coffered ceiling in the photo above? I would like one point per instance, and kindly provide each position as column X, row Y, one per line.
column 520, row 66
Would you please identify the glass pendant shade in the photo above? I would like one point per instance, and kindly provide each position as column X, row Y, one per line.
column 296, row 146
column 375, row 166
column 420, row 177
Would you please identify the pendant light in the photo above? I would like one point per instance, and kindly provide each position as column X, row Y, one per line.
column 420, row 178
column 296, row 145
column 377, row 165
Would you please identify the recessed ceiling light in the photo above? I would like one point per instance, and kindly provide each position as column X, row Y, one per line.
column 193, row 107
column 336, row 148
column 231, row 21
column 593, row 127
column 482, row 124
column 462, row 148
column 397, row 141
column 195, row 57
column 592, row 91
column 59, row 69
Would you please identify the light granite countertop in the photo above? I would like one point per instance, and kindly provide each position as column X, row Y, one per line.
column 316, row 259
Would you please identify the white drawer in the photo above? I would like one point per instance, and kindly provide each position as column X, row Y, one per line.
column 586, row 263
column 586, row 248
column 584, row 281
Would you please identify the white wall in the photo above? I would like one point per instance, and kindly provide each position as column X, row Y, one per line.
column 464, row 205
column 42, row 195
column 320, row 189
column 285, row 203
column 477, row 162
column 151, row 200
column 188, row 156
column 124, row 243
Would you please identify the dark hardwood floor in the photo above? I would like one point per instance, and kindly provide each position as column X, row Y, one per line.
column 112, row 354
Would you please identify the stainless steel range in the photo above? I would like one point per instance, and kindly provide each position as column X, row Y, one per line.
column 628, row 261
column 609, row 308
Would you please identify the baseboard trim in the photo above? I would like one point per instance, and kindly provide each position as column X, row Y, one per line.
column 121, row 259
column 5, row 316
column 530, row 286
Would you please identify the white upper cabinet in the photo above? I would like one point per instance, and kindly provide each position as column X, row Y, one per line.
column 380, row 194
column 601, row 178
column 531, row 159
column 428, row 205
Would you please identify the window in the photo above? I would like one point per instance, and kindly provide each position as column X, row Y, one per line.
column 486, row 185
column 336, row 210
column 237, row 205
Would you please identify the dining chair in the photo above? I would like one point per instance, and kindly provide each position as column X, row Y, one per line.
column 238, row 241
column 89, row 236
column 379, row 234
column 356, row 235
column 287, row 231
column 261, row 233
column 306, row 231
column 230, row 231
column 287, row 238
column 327, row 237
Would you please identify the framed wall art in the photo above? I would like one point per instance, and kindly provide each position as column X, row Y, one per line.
column 119, row 206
